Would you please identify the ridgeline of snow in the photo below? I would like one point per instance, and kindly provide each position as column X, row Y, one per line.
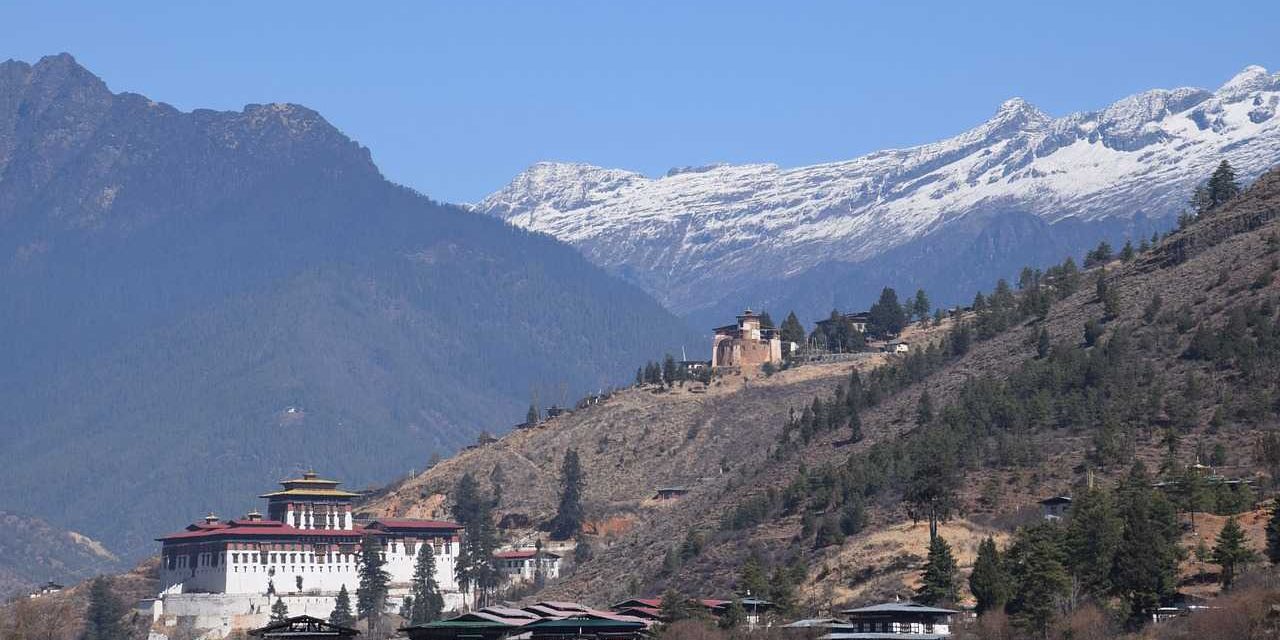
column 679, row 234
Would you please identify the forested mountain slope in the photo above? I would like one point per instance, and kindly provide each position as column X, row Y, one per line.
column 35, row 552
column 194, row 305
column 1176, row 366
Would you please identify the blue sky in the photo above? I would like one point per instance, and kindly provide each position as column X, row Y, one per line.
column 454, row 99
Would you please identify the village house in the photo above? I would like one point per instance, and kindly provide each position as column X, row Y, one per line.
column 909, row 619
column 856, row 320
column 303, row 628
column 745, row 345
column 227, row 574
column 524, row 565
column 538, row 621
column 1055, row 508
column 670, row 493
column 897, row 347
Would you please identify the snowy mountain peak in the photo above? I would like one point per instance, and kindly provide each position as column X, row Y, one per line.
column 1020, row 113
column 1251, row 79
column 680, row 234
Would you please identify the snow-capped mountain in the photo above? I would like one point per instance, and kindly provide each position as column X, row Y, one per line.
column 730, row 234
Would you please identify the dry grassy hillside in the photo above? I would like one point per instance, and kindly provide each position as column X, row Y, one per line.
column 718, row 442
column 1205, row 269
column 637, row 440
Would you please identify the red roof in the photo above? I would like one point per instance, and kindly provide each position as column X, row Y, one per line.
column 255, row 529
column 401, row 523
column 652, row 603
column 275, row 528
column 642, row 612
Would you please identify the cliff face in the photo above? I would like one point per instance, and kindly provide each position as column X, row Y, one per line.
column 193, row 305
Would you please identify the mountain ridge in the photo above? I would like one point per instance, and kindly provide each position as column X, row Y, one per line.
column 676, row 235
column 196, row 304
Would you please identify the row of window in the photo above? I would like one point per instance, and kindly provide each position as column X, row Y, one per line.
column 271, row 570
column 893, row 627
column 208, row 559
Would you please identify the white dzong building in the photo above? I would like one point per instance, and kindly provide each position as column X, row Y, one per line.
column 228, row 573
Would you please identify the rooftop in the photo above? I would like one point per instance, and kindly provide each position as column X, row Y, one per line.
column 899, row 607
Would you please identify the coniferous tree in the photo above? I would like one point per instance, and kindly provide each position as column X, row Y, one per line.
column 753, row 581
column 1273, row 533
column 792, row 330
column 734, row 616
column 1127, row 253
column 1146, row 560
column 428, row 603
column 938, row 581
column 533, row 416
column 886, row 316
column 371, row 594
column 1043, row 345
column 1038, row 577
column 924, row 409
column 279, row 611
column 1222, row 184
column 342, row 615
column 406, row 608
column 920, row 306
column 674, row 607
column 103, row 618
column 473, row 567
column 1091, row 539
column 669, row 373
column 1231, row 551
column 989, row 581
column 570, row 514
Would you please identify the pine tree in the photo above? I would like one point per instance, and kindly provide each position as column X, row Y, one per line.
column 1092, row 537
column 534, row 416
column 569, row 515
column 1223, row 185
column 939, row 576
column 886, row 316
column 1127, row 252
column 1147, row 556
column 1038, row 578
column 406, row 608
column 924, row 409
column 792, row 330
column 989, row 581
column 669, row 370
column 342, row 615
column 675, row 606
column 1231, row 552
column 279, row 611
column 753, row 582
column 427, row 603
column 920, row 306
column 103, row 618
column 734, row 615
column 1043, row 345
column 1273, row 533
column 371, row 595
column 473, row 567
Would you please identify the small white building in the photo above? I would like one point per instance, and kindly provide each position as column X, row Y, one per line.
column 522, row 565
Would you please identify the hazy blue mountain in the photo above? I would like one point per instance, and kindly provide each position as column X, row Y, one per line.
column 193, row 305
